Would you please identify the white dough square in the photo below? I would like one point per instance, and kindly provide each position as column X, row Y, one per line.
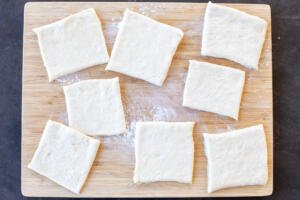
column 95, row 107
column 65, row 156
column 164, row 151
column 72, row 44
column 233, row 34
column 236, row 158
column 214, row 88
column 144, row 48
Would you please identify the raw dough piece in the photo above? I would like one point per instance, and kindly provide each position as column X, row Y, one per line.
column 164, row 151
column 214, row 88
column 95, row 107
column 233, row 34
column 64, row 155
column 236, row 158
column 72, row 44
column 144, row 48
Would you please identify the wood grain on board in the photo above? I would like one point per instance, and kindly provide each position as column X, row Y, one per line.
column 112, row 172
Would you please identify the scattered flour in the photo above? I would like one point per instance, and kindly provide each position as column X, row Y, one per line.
column 151, row 8
column 70, row 78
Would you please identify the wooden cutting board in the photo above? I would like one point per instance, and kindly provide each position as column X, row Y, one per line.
column 111, row 174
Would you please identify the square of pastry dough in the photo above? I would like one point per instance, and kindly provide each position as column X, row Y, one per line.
column 214, row 88
column 144, row 48
column 64, row 155
column 95, row 107
column 164, row 151
column 233, row 34
column 236, row 158
column 72, row 44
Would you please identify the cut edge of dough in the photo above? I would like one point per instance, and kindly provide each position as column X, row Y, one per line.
column 175, row 29
column 37, row 29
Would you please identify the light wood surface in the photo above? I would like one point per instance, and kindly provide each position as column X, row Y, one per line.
column 112, row 172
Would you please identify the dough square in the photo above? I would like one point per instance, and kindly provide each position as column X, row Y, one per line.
column 144, row 48
column 95, row 107
column 236, row 158
column 64, row 155
column 72, row 44
column 214, row 88
column 233, row 34
column 164, row 151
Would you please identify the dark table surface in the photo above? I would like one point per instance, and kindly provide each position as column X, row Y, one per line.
column 286, row 73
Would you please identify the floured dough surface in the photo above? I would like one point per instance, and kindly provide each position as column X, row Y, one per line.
column 233, row 34
column 72, row 44
column 95, row 107
column 214, row 88
column 236, row 158
column 144, row 48
column 164, row 151
column 64, row 155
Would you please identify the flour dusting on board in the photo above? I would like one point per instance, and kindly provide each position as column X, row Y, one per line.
column 151, row 8
column 70, row 78
column 163, row 113
column 191, row 28
column 63, row 117
column 111, row 29
column 222, row 125
column 203, row 127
